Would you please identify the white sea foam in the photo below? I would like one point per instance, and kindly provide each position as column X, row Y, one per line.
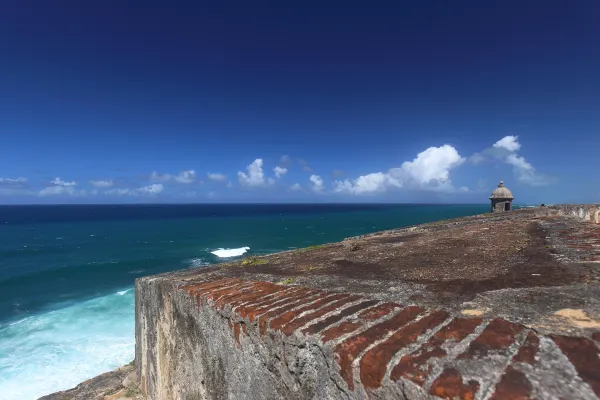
column 197, row 262
column 58, row 349
column 224, row 253
column 122, row 292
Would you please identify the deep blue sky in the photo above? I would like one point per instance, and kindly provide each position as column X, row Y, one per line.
column 399, row 101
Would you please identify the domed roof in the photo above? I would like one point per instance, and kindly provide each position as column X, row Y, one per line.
column 501, row 192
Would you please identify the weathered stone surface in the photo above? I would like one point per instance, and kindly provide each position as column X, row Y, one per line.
column 465, row 309
column 117, row 384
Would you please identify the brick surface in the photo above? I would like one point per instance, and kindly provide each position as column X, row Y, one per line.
column 512, row 386
column 283, row 319
column 371, row 345
column 319, row 326
column 450, row 385
column 528, row 350
column 415, row 366
column 497, row 336
column 301, row 321
column 348, row 350
column 583, row 354
column 374, row 363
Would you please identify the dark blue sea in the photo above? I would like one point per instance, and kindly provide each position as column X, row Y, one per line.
column 67, row 272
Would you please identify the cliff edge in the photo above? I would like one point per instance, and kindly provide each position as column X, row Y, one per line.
column 500, row 306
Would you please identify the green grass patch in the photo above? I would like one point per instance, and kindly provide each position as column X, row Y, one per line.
column 287, row 281
column 254, row 260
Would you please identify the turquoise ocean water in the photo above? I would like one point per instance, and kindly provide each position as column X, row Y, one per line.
column 67, row 272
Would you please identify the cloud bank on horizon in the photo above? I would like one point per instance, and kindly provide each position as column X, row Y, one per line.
column 430, row 171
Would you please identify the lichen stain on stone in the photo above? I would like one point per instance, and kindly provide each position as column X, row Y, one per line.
column 578, row 318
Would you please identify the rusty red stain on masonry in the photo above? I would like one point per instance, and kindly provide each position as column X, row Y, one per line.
column 271, row 299
column 349, row 349
column 251, row 310
column 212, row 294
column 301, row 321
column 498, row 335
column 583, row 354
column 373, row 364
column 285, row 305
column 244, row 329
column 340, row 330
column 236, row 333
column 260, row 290
column 596, row 336
column 528, row 350
column 279, row 322
column 512, row 386
column 234, row 290
column 378, row 312
column 249, row 294
column 263, row 320
column 414, row 366
column 449, row 385
column 350, row 326
column 319, row 326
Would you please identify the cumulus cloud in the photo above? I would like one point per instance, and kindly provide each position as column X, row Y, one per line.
column 149, row 190
column 217, row 177
column 505, row 150
column 186, row 176
column 430, row 167
column 430, row 170
column 102, row 183
column 372, row 183
column 11, row 181
column 317, row 183
column 279, row 171
column 509, row 143
column 296, row 187
column 60, row 187
column 59, row 182
column 255, row 175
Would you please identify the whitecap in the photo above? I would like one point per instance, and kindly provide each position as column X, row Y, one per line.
column 58, row 349
column 122, row 292
column 224, row 253
column 197, row 262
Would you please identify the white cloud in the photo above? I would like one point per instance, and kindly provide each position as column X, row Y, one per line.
column 60, row 187
column 217, row 177
column 371, row 183
column 12, row 181
column 102, row 183
column 255, row 176
column 317, row 183
column 186, row 176
column 296, row 187
column 509, row 143
column 430, row 167
column 430, row 170
column 119, row 191
column 526, row 173
column 153, row 189
column 505, row 150
column 279, row 171
column 61, row 190
column 59, row 182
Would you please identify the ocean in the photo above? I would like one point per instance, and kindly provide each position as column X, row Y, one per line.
column 67, row 272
